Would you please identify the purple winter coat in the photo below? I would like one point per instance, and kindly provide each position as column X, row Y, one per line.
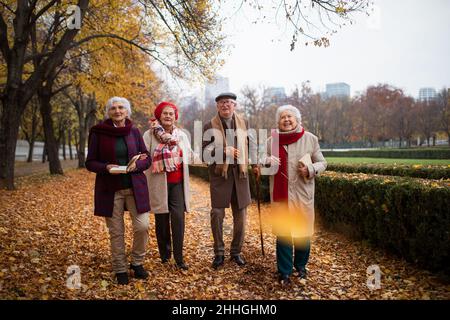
column 107, row 184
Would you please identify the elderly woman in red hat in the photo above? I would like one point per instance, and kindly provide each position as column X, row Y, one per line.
column 168, row 181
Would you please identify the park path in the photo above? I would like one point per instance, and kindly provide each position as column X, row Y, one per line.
column 48, row 225
column 22, row 168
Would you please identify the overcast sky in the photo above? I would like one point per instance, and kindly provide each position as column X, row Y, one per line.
column 406, row 43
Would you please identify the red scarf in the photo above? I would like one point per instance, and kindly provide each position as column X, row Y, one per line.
column 280, row 187
column 107, row 135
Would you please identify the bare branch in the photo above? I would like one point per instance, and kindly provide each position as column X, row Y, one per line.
column 42, row 11
column 7, row 7
column 61, row 89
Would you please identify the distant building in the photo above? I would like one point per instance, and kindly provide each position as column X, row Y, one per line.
column 274, row 95
column 339, row 89
column 215, row 87
column 427, row 94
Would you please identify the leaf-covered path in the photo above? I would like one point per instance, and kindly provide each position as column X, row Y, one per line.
column 48, row 225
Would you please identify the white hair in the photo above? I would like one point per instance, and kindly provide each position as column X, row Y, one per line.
column 121, row 100
column 292, row 109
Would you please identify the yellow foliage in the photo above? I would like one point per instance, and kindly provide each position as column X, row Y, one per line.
column 113, row 67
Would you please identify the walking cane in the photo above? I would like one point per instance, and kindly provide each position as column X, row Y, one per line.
column 257, row 182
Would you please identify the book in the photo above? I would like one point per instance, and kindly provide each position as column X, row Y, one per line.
column 125, row 169
column 304, row 162
column 119, row 169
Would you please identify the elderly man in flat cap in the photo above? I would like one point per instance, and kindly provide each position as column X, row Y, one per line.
column 226, row 148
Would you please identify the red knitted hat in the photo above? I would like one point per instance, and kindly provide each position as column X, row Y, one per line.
column 162, row 105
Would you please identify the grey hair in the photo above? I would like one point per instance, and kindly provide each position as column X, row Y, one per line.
column 122, row 100
column 292, row 109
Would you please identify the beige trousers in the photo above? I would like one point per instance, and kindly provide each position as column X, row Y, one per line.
column 116, row 227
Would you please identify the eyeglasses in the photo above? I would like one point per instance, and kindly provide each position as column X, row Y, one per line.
column 222, row 102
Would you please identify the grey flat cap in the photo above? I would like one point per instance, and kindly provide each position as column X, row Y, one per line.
column 226, row 95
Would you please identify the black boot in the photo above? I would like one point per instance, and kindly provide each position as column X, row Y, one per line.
column 302, row 274
column 284, row 279
column 139, row 272
column 238, row 259
column 182, row 266
column 122, row 278
column 218, row 261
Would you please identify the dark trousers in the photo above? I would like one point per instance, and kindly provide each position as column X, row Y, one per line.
column 285, row 246
column 239, row 219
column 174, row 220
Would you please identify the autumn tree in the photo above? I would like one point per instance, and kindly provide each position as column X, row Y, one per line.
column 337, row 126
column 17, row 21
column 427, row 119
column 187, row 37
column 183, row 36
column 102, row 68
column 252, row 104
column 313, row 21
column 31, row 126
column 401, row 119
column 312, row 108
column 190, row 111
column 443, row 104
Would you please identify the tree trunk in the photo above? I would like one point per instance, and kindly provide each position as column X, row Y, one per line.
column 63, row 143
column 30, row 151
column 44, row 153
column 9, row 131
column 69, row 142
column 50, row 140
column 86, row 109
column 81, row 147
column 77, row 145
column 32, row 137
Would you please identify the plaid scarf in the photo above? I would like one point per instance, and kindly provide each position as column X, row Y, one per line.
column 167, row 156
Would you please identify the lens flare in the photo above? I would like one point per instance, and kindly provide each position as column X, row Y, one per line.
column 291, row 221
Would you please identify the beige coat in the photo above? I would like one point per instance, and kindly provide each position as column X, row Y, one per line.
column 300, row 192
column 157, row 182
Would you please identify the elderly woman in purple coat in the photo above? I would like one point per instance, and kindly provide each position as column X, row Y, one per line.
column 113, row 143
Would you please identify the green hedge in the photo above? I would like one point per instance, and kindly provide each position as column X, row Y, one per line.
column 415, row 171
column 409, row 217
column 199, row 171
column 202, row 172
column 416, row 153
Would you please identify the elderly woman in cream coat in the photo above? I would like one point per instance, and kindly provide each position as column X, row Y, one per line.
column 168, row 181
column 292, row 160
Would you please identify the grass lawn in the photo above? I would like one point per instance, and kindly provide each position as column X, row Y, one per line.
column 358, row 160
